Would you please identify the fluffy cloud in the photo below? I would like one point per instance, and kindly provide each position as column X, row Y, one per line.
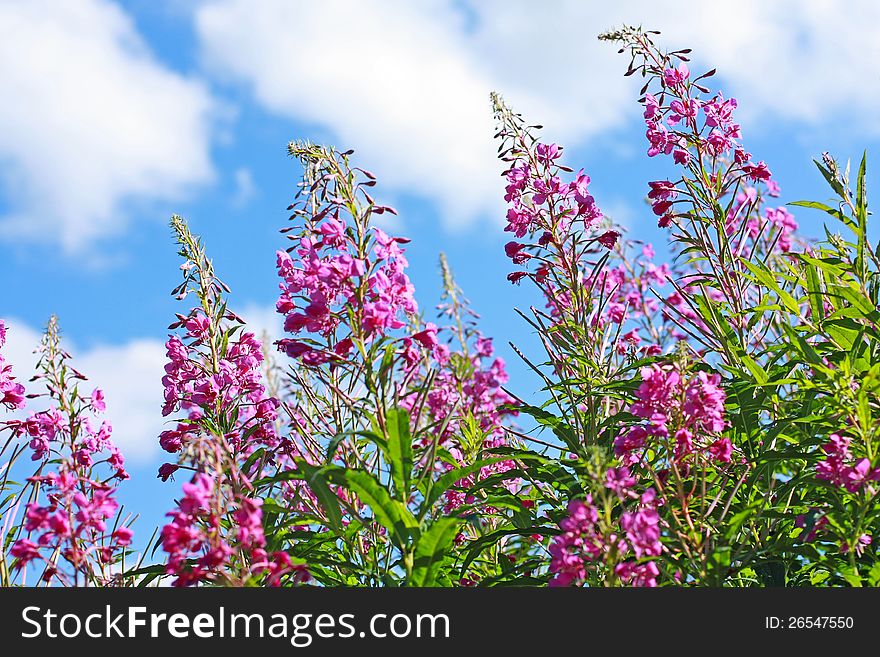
column 130, row 375
column 395, row 80
column 245, row 188
column 92, row 123
column 406, row 83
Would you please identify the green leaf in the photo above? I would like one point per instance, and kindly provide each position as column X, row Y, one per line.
column 766, row 278
column 449, row 479
column 477, row 546
column 558, row 425
column 388, row 512
column 719, row 564
column 814, row 292
column 829, row 177
column 851, row 575
column 818, row 576
column 432, row 547
column 834, row 212
column 316, row 478
column 752, row 366
column 400, row 453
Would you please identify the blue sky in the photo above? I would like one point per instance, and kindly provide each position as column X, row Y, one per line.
column 116, row 114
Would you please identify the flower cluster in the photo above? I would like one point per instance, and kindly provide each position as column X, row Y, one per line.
column 467, row 387
column 554, row 215
column 11, row 392
column 585, row 540
column 631, row 305
column 234, row 385
column 194, row 528
column 344, row 281
column 214, row 377
column 690, row 411
column 67, row 524
column 215, row 531
column 560, row 218
column 674, row 126
column 199, row 550
column 464, row 394
column 539, row 200
column 839, row 468
column 326, row 280
column 74, row 525
column 717, row 206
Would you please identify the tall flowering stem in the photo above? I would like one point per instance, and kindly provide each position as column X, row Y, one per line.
column 390, row 416
column 227, row 437
column 602, row 313
column 716, row 209
column 70, row 532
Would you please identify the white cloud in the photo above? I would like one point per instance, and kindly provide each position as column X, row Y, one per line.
column 406, row 83
column 92, row 123
column 129, row 374
column 244, row 186
column 394, row 80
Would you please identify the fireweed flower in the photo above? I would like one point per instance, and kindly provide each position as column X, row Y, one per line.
column 684, row 119
column 599, row 302
column 214, row 375
column 587, row 542
column 199, row 551
column 68, row 532
column 689, row 410
column 11, row 392
column 344, row 281
column 840, row 468
column 465, row 391
column 362, row 354
column 357, row 289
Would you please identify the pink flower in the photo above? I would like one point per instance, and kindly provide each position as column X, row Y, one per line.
column 548, row 152
column 608, row 239
column 719, row 112
column 427, row 337
column 620, row 481
column 652, row 107
column 683, row 110
column 332, row 232
column 655, row 393
column 642, row 527
column 638, row 574
column 837, row 467
column 722, row 450
column 12, row 393
column 123, row 536
column 681, row 156
column 249, row 518
column 863, row 541
column 514, row 251
column 704, row 402
column 757, row 172
column 166, row 470
column 98, row 401
column 24, row 550
column 675, row 77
